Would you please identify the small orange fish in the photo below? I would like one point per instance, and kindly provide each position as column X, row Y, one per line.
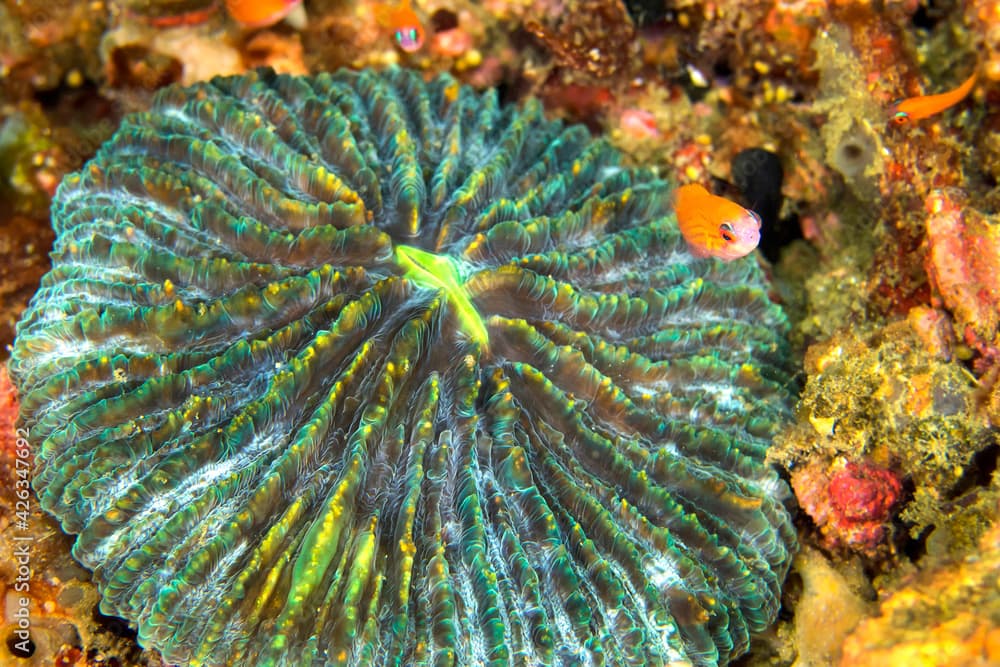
column 403, row 24
column 714, row 226
column 173, row 20
column 260, row 13
column 915, row 108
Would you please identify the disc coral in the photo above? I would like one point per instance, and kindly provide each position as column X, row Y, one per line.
column 354, row 369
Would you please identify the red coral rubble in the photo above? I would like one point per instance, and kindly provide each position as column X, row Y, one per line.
column 8, row 436
column 850, row 503
column 8, row 413
column 963, row 264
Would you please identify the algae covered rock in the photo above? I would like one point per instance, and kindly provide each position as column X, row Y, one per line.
column 945, row 615
column 358, row 369
column 880, row 406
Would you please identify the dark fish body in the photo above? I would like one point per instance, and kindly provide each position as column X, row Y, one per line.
column 758, row 175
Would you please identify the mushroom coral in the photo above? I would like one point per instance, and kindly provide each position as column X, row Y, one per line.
column 358, row 369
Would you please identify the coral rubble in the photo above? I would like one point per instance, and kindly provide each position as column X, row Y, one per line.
column 943, row 616
column 883, row 407
column 831, row 605
column 850, row 501
column 963, row 266
column 597, row 39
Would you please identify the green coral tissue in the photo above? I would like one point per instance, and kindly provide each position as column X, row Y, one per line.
column 357, row 369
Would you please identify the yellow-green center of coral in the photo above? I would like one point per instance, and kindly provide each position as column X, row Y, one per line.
column 440, row 272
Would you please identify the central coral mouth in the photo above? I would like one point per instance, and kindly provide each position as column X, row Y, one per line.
column 429, row 270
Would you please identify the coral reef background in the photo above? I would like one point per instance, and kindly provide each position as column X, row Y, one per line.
column 884, row 253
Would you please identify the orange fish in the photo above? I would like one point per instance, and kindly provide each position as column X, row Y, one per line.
column 714, row 226
column 403, row 24
column 915, row 108
column 172, row 20
column 261, row 13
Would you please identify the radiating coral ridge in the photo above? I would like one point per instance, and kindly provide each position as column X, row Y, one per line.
column 358, row 369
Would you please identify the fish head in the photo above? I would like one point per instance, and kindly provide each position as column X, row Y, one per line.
column 738, row 236
column 898, row 115
column 409, row 37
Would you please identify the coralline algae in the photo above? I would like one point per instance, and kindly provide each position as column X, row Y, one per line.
column 354, row 369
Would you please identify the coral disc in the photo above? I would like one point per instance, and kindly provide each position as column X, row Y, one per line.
column 358, row 369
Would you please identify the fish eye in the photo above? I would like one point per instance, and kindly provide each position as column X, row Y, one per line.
column 900, row 117
column 728, row 233
column 399, row 36
column 413, row 34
